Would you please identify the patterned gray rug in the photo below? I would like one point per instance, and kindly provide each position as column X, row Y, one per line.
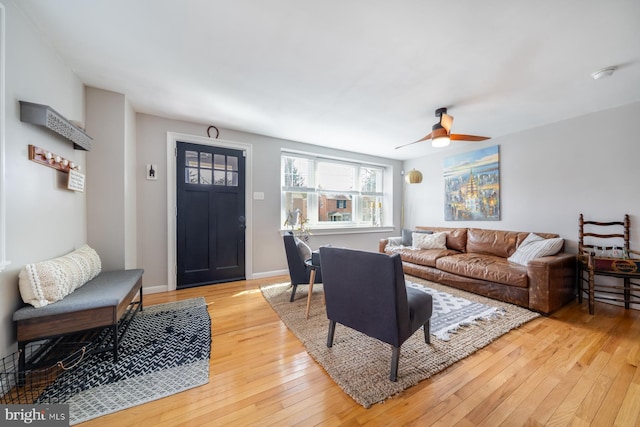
column 462, row 323
column 165, row 351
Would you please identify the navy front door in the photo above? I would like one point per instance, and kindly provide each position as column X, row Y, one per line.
column 210, row 214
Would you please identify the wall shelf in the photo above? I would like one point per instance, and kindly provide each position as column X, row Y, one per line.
column 43, row 115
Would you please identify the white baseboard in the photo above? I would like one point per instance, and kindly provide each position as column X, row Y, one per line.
column 153, row 289
column 267, row 274
column 263, row 275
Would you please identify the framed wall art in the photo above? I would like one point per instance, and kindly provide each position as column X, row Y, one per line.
column 472, row 186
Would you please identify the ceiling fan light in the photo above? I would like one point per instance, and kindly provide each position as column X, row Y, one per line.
column 440, row 141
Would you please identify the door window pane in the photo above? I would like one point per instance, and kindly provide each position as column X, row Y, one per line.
column 232, row 163
column 219, row 161
column 191, row 175
column 191, row 158
column 219, row 177
column 232, row 179
column 205, row 160
column 205, row 176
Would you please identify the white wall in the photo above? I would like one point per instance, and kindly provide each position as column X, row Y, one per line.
column 268, row 251
column 130, row 190
column 44, row 219
column 549, row 175
column 105, row 187
column 111, row 184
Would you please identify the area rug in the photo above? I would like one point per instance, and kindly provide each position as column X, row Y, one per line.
column 462, row 324
column 165, row 351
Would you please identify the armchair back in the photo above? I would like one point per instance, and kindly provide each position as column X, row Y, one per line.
column 366, row 291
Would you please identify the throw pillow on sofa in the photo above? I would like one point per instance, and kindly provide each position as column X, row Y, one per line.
column 430, row 241
column 49, row 281
column 534, row 247
column 407, row 236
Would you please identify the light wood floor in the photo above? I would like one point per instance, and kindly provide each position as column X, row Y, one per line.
column 567, row 369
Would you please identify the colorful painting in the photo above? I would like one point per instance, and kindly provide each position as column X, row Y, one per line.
column 472, row 186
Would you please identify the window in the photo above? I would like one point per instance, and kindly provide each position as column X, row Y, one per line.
column 325, row 191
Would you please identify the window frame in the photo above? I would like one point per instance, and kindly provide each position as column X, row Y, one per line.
column 385, row 195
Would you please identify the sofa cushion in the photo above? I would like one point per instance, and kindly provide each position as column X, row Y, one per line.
column 49, row 281
column 490, row 268
column 426, row 257
column 407, row 236
column 491, row 242
column 534, row 247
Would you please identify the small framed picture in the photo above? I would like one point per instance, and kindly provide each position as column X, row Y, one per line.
column 76, row 181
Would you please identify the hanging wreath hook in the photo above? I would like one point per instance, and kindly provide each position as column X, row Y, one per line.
column 209, row 131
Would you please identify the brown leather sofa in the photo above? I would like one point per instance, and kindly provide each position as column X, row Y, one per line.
column 475, row 260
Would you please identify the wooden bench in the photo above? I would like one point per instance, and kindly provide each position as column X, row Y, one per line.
column 106, row 301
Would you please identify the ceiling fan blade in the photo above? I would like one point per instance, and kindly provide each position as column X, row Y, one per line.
column 415, row 142
column 446, row 121
column 460, row 137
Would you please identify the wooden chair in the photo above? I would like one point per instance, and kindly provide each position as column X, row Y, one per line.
column 597, row 241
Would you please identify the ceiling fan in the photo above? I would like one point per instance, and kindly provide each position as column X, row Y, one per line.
column 440, row 135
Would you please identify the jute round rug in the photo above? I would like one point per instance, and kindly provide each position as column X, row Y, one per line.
column 360, row 364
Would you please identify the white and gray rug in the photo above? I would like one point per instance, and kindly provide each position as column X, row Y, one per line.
column 450, row 312
column 462, row 323
column 165, row 351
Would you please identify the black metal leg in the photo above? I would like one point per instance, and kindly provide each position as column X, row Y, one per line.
column 22, row 348
column 332, row 330
column 114, row 329
column 141, row 307
column 395, row 360
column 427, row 332
column 293, row 293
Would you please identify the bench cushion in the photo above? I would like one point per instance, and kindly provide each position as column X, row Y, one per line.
column 108, row 289
column 49, row 281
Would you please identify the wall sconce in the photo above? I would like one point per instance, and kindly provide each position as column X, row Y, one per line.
column 413, row 177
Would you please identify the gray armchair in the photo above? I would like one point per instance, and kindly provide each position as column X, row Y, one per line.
column 366, row 291
column 297, row 253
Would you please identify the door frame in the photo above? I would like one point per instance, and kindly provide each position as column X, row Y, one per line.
column 172, row 204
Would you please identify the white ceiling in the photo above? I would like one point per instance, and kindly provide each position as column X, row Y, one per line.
column 361, row 75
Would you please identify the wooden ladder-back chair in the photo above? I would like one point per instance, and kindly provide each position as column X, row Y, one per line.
column 603, row 250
